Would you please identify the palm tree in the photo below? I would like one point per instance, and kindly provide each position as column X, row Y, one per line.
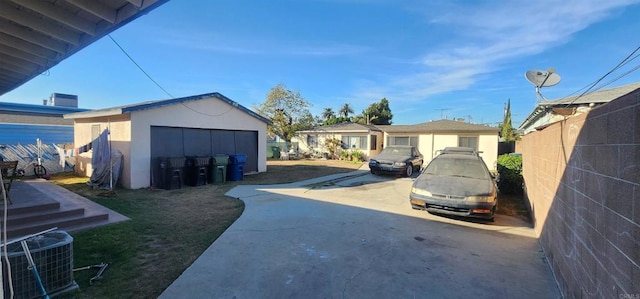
column 328, row 113
column 345, row 110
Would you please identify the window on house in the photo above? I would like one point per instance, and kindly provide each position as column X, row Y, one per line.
column 312, row 141
column 468, row 141
column 403, row 140
column 354, row 142
column 374, row 142
column 95, row 131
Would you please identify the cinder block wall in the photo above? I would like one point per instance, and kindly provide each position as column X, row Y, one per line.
column 582, row 179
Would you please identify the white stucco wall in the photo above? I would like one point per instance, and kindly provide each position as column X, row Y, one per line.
column 205, row 114
column 488, row 144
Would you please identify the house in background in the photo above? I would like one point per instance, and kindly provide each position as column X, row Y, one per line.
column 432, row 136
column 548, row 112
column 201, row 125
column 23, row 123
column 353, row 136
column 427, row 137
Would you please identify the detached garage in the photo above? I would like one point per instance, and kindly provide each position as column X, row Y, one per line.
column 202, row 125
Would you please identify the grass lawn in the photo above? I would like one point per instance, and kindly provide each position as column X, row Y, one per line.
column 169, row 229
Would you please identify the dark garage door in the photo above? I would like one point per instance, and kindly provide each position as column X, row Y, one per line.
column 182, row 142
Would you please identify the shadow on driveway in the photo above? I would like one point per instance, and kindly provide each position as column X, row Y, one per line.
column 363, row 241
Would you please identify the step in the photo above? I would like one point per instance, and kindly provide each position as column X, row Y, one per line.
column 61, row 223
column 15, row 209
column 40, row 216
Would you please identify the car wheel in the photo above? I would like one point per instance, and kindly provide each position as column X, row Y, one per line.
column 374, row 172
column 409, row 170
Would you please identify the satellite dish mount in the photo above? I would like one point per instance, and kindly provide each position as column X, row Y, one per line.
column 542, row 79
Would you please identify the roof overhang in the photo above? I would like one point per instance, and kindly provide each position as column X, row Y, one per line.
column 36, row 35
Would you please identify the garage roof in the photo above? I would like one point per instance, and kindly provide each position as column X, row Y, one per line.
column 35, row 35
column 157, row 104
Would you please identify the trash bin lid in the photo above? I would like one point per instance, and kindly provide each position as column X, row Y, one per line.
column 176, row 161
column 220, row 160
column 202, row 161
column 238, row 159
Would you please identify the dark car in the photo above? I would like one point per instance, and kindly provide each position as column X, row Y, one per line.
column 397, row 159
column 456, row 182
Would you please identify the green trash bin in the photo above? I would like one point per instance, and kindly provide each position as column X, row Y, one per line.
column 219, row 168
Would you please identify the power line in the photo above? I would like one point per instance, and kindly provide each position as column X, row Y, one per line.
column 139, row 67
column 626, row 60
column 157, row 84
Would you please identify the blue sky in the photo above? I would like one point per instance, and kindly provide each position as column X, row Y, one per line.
column 430, row 59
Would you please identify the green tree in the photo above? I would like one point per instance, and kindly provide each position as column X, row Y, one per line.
column 287, row 110
column 336, row 120
column 377, row 113
column 507, row 131
column 328, row 113
column 346, row 110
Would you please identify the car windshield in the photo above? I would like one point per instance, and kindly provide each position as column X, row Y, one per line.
column 457, row 167
column 405, row 151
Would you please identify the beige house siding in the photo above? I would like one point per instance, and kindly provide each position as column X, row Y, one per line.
column 120, row 139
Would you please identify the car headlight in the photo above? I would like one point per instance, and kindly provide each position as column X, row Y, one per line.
column 422, row 192
column 399, row 164
column 477, row 198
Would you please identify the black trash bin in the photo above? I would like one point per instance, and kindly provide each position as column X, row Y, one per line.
column 235, row 171
column 174, row 174
column 218, row 171
column 197, row 171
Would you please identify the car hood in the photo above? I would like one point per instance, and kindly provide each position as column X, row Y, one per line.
column 390, row 157
column 455, row 186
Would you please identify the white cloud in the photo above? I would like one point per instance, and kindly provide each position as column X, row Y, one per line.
column 485, row 37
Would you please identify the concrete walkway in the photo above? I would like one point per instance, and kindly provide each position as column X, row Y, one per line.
column 357, row 237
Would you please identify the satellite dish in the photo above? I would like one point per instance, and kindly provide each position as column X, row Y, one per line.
column 542, row 79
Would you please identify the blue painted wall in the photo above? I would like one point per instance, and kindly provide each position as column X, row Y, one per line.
column 27, row 134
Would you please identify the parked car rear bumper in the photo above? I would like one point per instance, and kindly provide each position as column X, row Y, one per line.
column 483, row 210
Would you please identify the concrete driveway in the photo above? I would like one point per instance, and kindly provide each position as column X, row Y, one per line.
column 358, row 237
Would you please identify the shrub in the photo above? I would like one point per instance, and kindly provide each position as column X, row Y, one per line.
column 357, row 155
column 510, row 174
column 345, row 155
